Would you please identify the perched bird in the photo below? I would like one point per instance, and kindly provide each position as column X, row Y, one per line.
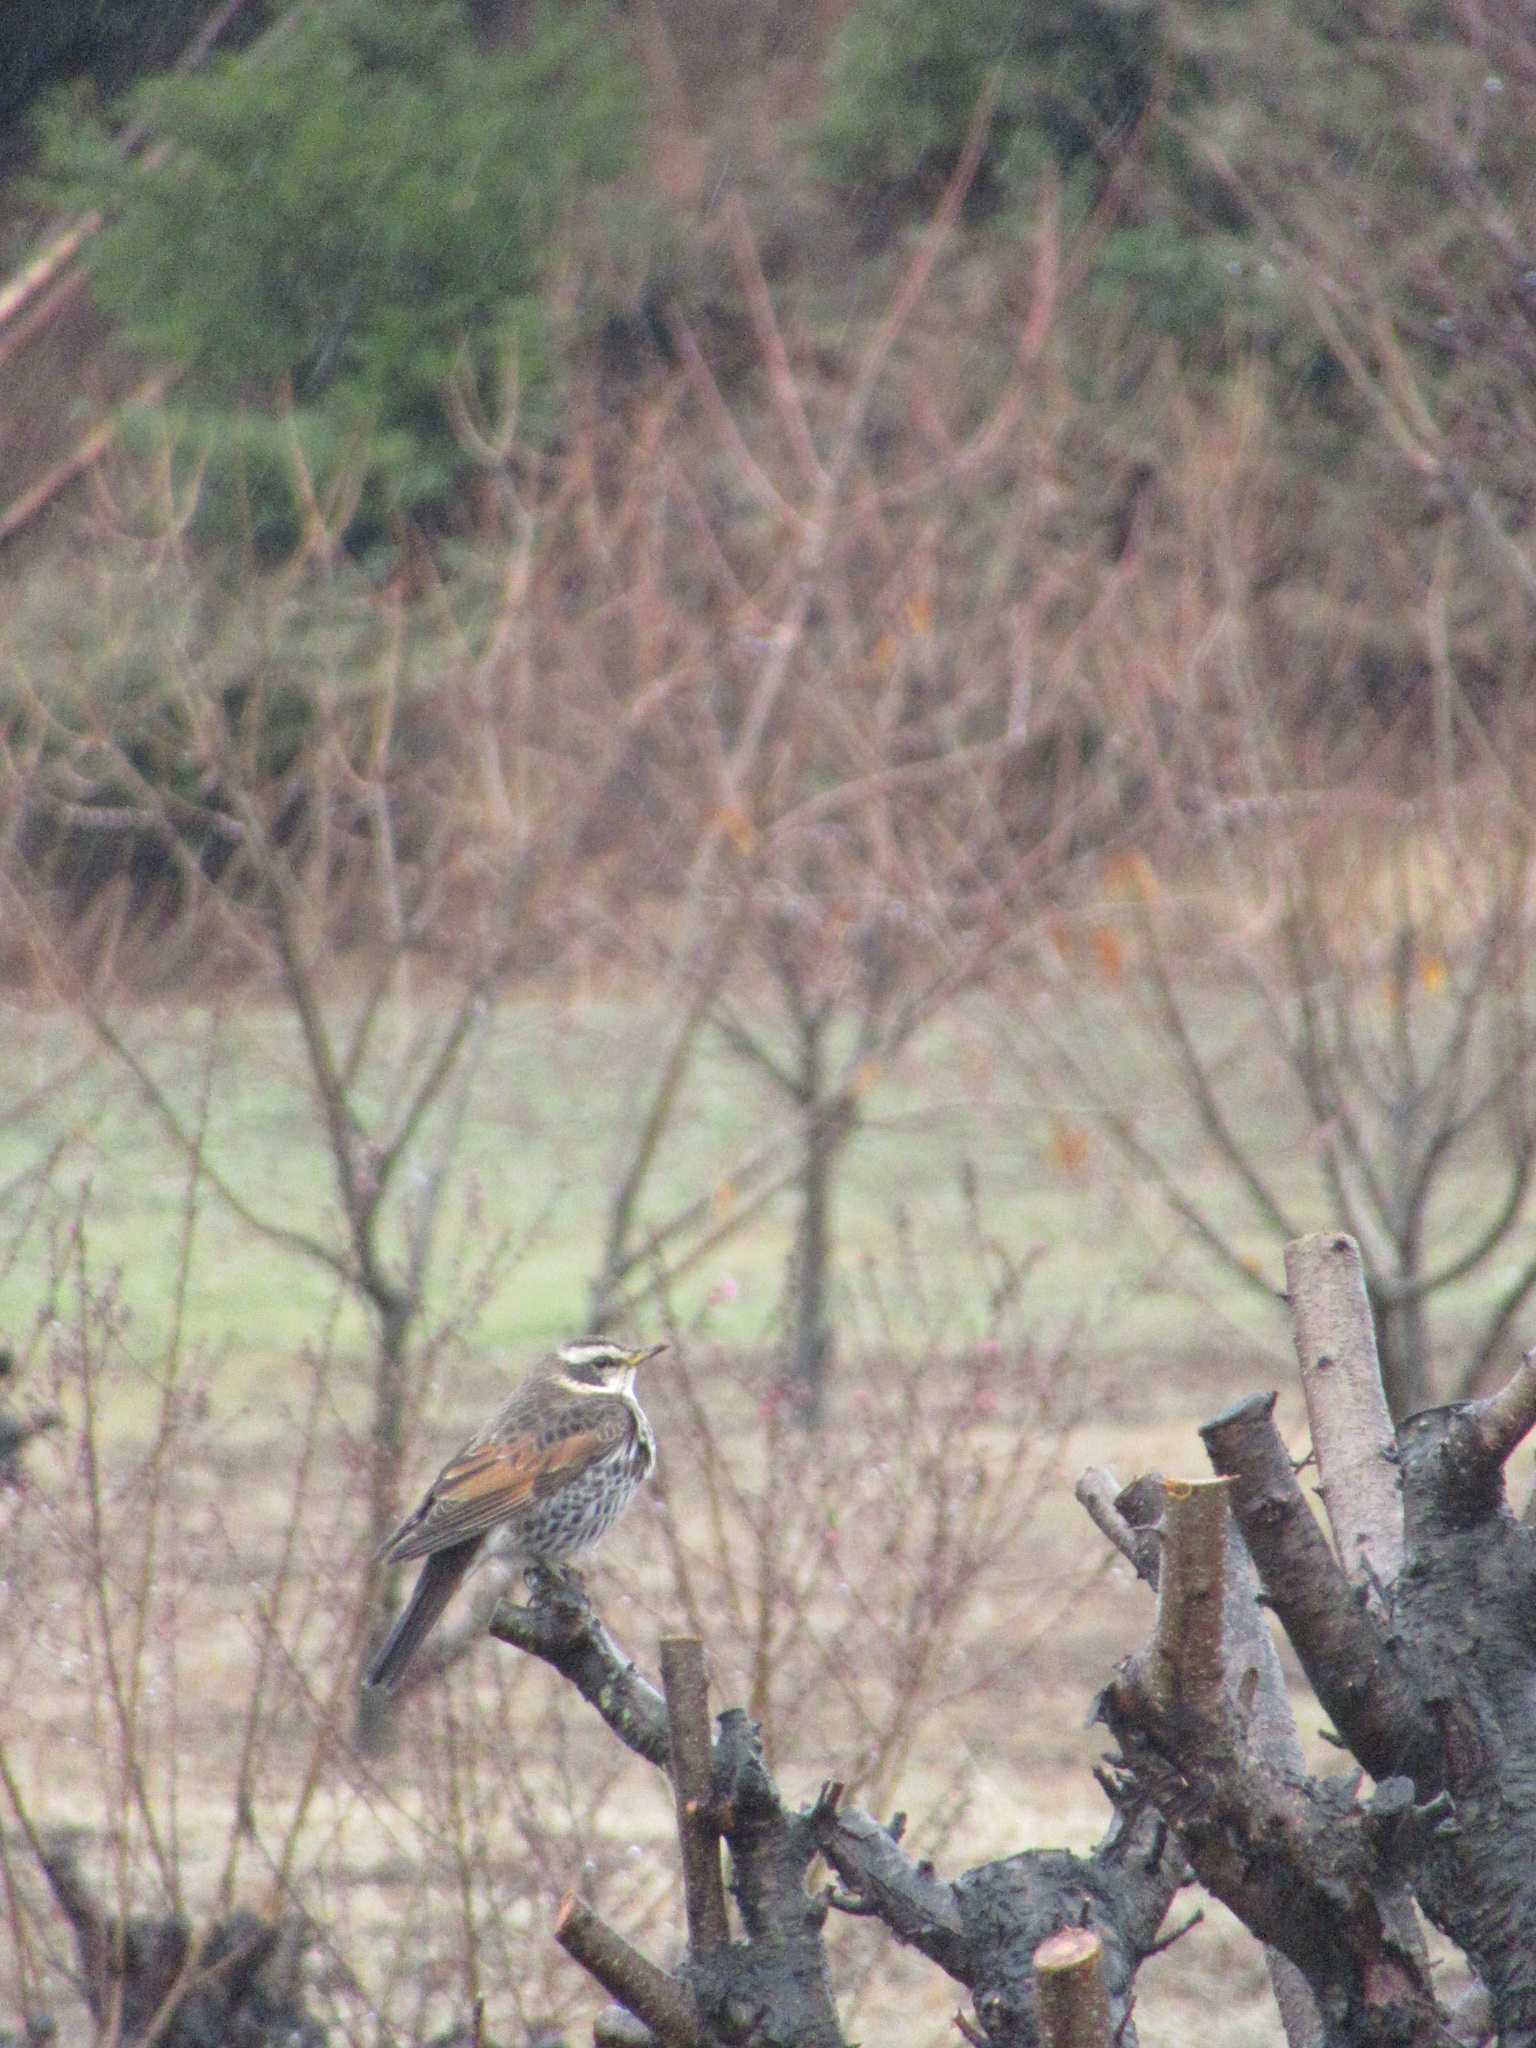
column 544, row 1479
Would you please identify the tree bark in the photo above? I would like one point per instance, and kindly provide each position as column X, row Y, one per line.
column 1402, row 1338
column 377, row 1710
column 826, row 1129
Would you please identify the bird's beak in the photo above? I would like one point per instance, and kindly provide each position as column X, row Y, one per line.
column 643, row 1357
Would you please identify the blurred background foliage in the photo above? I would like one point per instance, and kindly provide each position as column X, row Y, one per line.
column 349, row 203
column 323, row 234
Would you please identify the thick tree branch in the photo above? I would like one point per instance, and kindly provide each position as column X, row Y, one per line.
column 1346, row 1653
column 1295, row 1860
column 1464, row 1608
column 919, row 1907
column 660, row 2001
column 692, row 1758
column 1341, row 1380
column 1069, row 1979
column 560, row 1626
column 1186, row 1660
column 1504, row 1419
column 1098, row 1494
column 1292, row 1858
column 985, row 1927
column 1254, row 1684
column 776, row 1980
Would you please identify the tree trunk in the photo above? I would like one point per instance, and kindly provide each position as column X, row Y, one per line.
column 374, row 1729
column 826, row 1132
column 1402, row 1344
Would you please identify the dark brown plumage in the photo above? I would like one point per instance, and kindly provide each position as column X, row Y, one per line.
column 544, row 1479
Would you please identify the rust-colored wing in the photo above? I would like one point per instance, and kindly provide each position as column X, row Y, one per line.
column 489, row 1481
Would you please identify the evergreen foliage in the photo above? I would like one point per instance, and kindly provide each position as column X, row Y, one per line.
column 903, row 79
column 337, row 220
column 1076, row 85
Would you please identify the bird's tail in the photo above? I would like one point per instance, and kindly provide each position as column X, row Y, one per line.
column 439, row 1581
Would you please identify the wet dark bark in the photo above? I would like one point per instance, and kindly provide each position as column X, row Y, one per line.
column 770, row 1984
column 1426, row 1665
column 985, row 1927
column 1431, row 1685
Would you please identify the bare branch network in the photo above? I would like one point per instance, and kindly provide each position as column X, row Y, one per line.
column 1415, row 1630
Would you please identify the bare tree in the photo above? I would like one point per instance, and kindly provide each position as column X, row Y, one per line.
column 264, row 810
column 885, row 785
column 1314, row 996
column 157, row 1957
column 1413, row 1632
column 1332, row 992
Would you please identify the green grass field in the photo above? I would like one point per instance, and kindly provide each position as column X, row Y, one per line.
column 536, row 1155
column 539, row 1140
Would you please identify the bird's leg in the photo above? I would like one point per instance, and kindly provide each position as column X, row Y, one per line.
column 556, row 1585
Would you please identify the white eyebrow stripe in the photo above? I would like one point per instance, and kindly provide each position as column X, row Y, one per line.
column 591, row 1354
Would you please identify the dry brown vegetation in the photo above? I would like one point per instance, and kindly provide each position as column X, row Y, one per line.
column 824, row 676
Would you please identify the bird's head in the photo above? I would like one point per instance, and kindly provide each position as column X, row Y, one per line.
column 596, row 1365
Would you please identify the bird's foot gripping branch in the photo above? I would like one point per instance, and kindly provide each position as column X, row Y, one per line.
column 1415, row 1630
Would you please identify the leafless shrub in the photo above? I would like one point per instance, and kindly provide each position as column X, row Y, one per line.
column 184, row 1592
column 854, row 1582
column 162, row 1617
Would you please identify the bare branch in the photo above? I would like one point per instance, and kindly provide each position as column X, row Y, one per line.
column 1343, row 1648
column 918, row 1907
column 660, row 2001
column 1196, row 1076
column 1505, row 1419
column 560, row 1626
column 1510, row 1303
column 770, row 341
column 1186, row 1659
column 1097, row 1493
column 186, row 1143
